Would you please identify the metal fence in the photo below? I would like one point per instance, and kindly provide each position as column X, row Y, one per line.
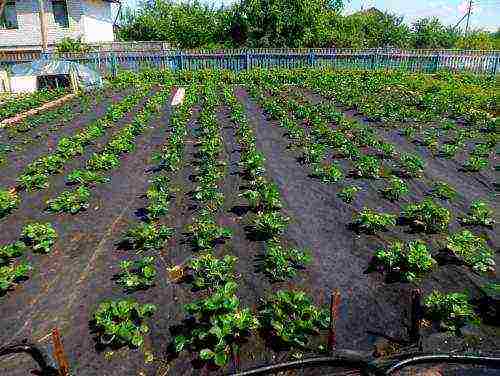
column 109, row 62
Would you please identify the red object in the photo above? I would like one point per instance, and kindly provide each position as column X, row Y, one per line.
column 334, row 311
column 62, row 361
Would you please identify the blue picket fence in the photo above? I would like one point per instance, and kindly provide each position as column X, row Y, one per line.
column 108, row 63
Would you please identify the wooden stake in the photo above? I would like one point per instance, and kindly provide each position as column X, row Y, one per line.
column 61, row 359
column 334, row 311
column 416, row 315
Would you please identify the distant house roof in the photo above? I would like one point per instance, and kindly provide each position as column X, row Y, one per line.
column 370, row 11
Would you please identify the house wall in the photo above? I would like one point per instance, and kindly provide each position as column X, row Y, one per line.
column 95, row 26
column 97, row 21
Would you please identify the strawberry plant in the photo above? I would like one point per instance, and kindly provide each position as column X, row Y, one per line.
column 205, row 231
column 252, row 163
column 10, row 251
column 479, row 214
column 35, row 181
column 348, row 194
column 12, row 273
column 291, row 318
column 68, row 147
column 211, row 272
column 147, row 236
column 219, row 327
column 262, row 195
column 281, row 263
column 9, row 200
column 473, row 250
column 367, row 166
column 86, row 177
column 427, row 215
column 387, row 150
column 451, row 310
column 476, row 164
column 370, row 221
column 448, row 151
column 270, row 224
column 481, row 150
column 443, row 191
column 328, row 173
column 408, row 261
column 70, row 201
column 121, row 322
column 102, row 162
column 314, row 153
column 138, row 274
column 412, row 165
column 40, row 236
column 395, row 189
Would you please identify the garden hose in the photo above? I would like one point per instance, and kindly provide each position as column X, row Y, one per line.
column 354, row 360
column 41, row 357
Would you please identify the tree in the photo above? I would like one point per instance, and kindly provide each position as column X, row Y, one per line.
column 431, row 33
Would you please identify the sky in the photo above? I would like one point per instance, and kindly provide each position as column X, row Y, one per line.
column 485, row 13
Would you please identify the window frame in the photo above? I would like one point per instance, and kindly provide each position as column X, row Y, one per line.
column 66, row 24
column 3, row 25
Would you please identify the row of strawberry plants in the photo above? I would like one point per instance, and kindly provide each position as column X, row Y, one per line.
column 288, row 316
column 36, row 174
column 123, row 142
column 122, row 321
column 413, row 260
column 22, row 103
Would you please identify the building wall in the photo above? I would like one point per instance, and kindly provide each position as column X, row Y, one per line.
column 95, row 26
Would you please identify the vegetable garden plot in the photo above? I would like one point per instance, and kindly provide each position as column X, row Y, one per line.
column 219, row 227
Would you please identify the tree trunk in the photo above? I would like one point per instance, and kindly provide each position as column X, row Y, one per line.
column 43, row 25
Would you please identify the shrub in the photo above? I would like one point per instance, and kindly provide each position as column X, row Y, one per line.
column 427, row 215
column 348, row 194
column 444, row 191
column 412, row 165
column 290, row 317
column 210, row 272
column 281, row 263
column 409, row 261
column 270, row 224
column 70, row 201
column 472, row 250
column 10, row 274
column 479, row 214
column 9, row 200
column 396, row 189
column 451, row 310
column 220, row 325
column 137, row 274
column 370, row 221
column 367, row 166
column 148, row 236
column 40, row 236
column 121, row 322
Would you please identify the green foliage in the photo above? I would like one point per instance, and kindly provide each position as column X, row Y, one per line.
column 102, row 162
column 473, row 250
column 412, row 165
column 10, row 251
column 252, row 163
column 9, row 200
column 40, row 236
column 292, row 318
column 476, row 164
column 71, row 45
column 281, row 263
column 452, row 310
column 328, row 173
column 444, row 191
column 262, row 195
column 479, row 214
column 11, row 273
column 270, row 224
column 86, row 177
column 211, row 272
column 138, row 274
column 367, row 167
column 395, row 189
column 147, row 236
column 70, row 201
column 158, row 195
column 427, row 215
column 220, row 325
column 205, row 231
column 348, row 194
column 370, row 221
column 409, row 261
column 448, row 151
column 35, row 181
column 121, row 322
column 431, row 33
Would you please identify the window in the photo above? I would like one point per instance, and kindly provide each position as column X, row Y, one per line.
column 8, row 18
column 60, row 10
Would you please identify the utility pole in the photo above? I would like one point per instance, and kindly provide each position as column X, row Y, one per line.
column 468, row 17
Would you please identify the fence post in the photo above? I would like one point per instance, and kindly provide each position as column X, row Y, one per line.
column 312, row 58
column 495, row 64
column 113, row 64
column 181, row 61
column 435, row 64
column 372, row 61
column 247, row 60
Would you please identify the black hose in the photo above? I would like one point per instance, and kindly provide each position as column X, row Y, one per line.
column 489, row 361
column 39, row 356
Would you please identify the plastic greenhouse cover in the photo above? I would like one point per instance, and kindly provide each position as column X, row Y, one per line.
column 87, row 77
